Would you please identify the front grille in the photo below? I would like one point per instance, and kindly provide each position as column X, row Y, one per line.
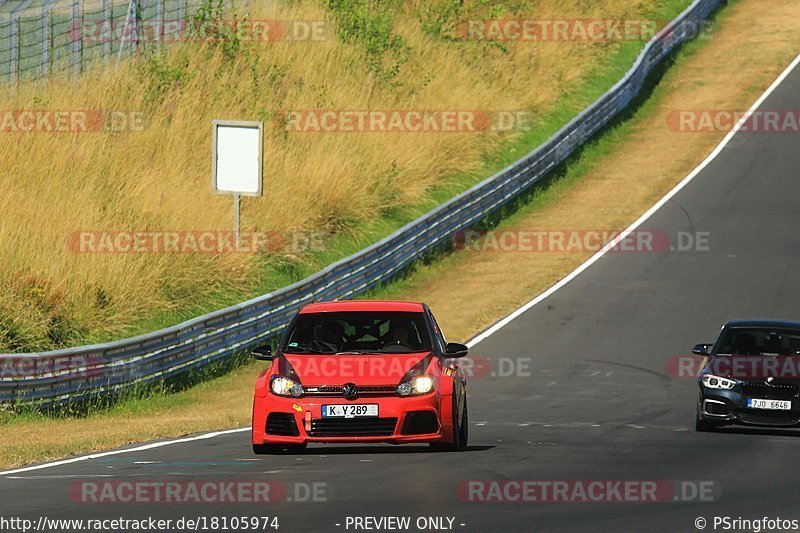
column 363, row 390
column 376, row 389
column 353, row 427
column 282, row 424
column 770, row 391
column 420, row 422
column 786, row 418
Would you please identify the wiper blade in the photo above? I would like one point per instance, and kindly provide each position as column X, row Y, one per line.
column 355, row 352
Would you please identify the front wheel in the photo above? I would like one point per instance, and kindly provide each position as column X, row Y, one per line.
column 460, row 431
column 703, row 425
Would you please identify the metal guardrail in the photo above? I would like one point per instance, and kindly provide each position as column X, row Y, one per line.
column 62, row 375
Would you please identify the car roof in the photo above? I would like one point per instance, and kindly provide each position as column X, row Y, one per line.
column 762, row 323
column 363, row 305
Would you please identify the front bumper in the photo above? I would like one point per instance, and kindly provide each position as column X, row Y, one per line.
column 398, row 420
column 730, row 407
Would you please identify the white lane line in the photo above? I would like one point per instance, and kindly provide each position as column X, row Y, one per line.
column 142, row 448
column 589, row 262
column 62, row 476
column 502, row 323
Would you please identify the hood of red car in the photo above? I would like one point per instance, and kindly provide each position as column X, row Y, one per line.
column 339, row 369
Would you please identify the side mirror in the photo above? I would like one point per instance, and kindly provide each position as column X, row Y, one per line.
column 702, row 349
column 454, row 350
column 263, row 352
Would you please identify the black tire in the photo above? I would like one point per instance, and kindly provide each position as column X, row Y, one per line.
column 460, row 431
column 274, row 449
column 703, row 425
column 464, row 427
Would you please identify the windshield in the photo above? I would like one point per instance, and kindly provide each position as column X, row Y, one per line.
column 358, row 332
column 760, row 341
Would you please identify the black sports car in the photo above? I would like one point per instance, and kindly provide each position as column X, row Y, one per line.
column 751, row 375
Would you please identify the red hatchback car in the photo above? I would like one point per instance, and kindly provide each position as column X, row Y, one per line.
column 361, row 371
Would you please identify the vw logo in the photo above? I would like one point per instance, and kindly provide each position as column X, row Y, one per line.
column 349, row 391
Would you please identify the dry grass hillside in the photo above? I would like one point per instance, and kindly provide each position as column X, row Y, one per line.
column 407, row 56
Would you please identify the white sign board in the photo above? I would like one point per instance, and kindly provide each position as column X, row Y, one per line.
column 237, row 157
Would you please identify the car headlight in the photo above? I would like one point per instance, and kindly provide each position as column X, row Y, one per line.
column 283, row 386
column 419, row 385
column 716, row 382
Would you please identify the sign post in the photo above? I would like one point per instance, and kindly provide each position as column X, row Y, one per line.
column 237, row 161
column 236, row 203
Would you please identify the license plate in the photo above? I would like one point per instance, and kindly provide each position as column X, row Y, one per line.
column 350, row 410
column 781, row 405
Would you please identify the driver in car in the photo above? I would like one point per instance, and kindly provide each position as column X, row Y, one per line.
column 328, row 336
column 400, row 335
